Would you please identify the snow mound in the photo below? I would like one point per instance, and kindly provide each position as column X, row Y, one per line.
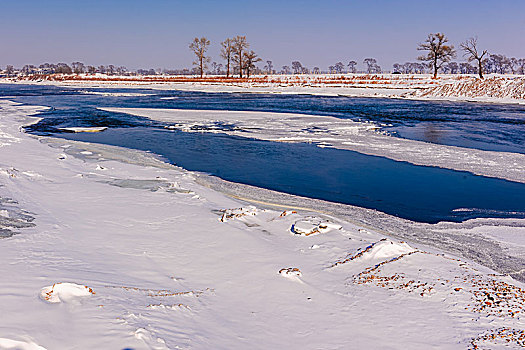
column 313, row 226
column 236, row 213
column 9, row 344
column 150, row 339
column 381, row 249
column 387, row 249
column 64, row 292
column 290, row 272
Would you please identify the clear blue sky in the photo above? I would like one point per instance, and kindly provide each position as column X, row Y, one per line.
column 156, row 33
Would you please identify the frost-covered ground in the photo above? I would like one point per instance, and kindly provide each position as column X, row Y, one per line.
column 338, row 133
column 129, row 252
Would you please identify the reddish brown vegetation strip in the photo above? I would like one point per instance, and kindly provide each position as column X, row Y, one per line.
column 502, row 336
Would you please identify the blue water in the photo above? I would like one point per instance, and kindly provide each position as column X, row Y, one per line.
column 496, row 127
column 419, row 193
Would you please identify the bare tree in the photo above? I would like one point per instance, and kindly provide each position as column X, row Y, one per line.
column 339, row 67
column 9, row 70
column 285, row 70
column 496, row 63
column 28, row 69
column 239, row 45
column 78, row 67
column 269, row 67
column 398, row 68
column 466, row 68
column 121, row 70
column 316, row 70
column 514, row 65
column 521, row 66
column 470, row 46
column 452, row 67
column 297, row 67
column 438, row 51
column 216, row 68
column 226, row 53
column 371, row 66
column 250, row 58
column 63, row 68
column 199, row 48
column 351, row 66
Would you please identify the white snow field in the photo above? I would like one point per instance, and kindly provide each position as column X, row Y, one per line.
column 129, row 252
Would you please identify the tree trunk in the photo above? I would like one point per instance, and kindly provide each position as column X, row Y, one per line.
column 480, row 69
column 228, row 67
column 435, row 69
column 202, row 68
column 240, row 64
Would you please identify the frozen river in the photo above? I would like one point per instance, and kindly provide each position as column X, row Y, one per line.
column 418, row 193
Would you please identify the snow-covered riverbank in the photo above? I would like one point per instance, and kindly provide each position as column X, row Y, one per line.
column 494, row 88
column 158, row 259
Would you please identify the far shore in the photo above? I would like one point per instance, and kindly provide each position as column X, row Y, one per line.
column 495, row 88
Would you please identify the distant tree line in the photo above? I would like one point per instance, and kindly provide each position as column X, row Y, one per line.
column 239, row 59
column 74, row 68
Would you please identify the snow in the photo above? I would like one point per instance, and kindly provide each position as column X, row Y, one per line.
column 64, row 292
column 84, row 129
column 9, row 344
column 114, row 94
column 313, row 226
column 492, row 87
column 388, row 249
column 338, row 133
column 167, row 272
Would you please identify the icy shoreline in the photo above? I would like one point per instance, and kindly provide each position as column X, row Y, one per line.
column 129, row 251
